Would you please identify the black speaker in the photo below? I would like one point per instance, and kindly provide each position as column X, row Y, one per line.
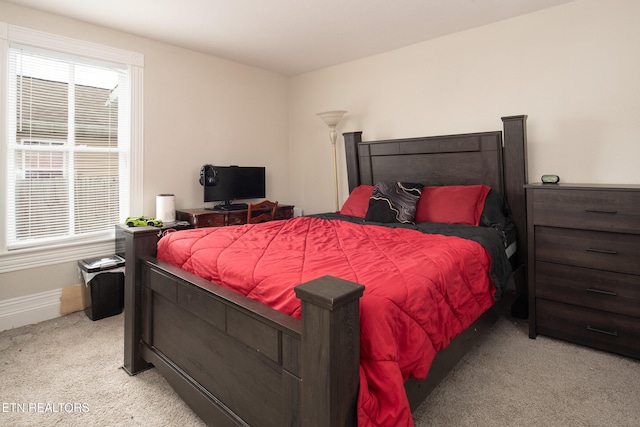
column 208, row 175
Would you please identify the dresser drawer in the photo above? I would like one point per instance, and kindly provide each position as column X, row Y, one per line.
column 284, row 212
column 209, row 221
column 237, row 218
column 588, row 209
column 601, row 290
column 591, row 249
column 201, row 220
column 594, row 328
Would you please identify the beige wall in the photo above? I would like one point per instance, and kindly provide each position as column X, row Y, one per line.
column 197, row 109
column 573, row 69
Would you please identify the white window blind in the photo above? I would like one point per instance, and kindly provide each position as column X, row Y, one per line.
column 66, row 146
column 71, row 146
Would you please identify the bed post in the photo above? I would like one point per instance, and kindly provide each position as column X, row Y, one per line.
column 351, row 140
column 330, row 351
column 515, row 176
column 132, row 244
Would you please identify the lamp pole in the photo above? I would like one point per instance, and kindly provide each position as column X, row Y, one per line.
column 331, row 119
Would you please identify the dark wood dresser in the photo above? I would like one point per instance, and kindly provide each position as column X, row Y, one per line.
column 200, row 217
column 584, row 264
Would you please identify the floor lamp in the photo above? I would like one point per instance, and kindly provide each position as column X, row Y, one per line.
column 332, row 118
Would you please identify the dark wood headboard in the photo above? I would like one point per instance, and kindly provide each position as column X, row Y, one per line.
column 496, row 159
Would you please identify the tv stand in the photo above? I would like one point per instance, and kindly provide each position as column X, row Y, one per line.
column 219, row 218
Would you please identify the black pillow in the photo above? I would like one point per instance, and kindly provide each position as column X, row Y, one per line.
column 497, row 214
column 393, row 202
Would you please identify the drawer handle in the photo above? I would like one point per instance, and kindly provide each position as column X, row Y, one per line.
column 598, row 291
column 603, row 251
column 600, row 331
column 607, row 211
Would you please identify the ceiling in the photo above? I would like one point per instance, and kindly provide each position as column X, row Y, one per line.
column 291, row 37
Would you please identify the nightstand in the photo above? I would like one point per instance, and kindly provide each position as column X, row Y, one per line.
column 584, row 264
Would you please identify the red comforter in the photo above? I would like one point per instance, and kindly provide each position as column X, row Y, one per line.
column 421, row 289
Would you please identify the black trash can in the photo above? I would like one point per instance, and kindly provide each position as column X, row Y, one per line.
column 103, row 290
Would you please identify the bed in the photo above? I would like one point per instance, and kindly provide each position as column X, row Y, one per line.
column 239, row 362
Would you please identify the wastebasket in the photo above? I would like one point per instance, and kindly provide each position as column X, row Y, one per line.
column 103, row 290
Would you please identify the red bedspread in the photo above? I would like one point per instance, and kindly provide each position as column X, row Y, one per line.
column 421, row 289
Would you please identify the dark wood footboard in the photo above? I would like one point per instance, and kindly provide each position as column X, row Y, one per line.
column 236, row 361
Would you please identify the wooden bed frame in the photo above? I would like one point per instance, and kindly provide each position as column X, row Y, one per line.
column 237, row 362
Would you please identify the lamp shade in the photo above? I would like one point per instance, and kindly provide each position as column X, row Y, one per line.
column 332, row 118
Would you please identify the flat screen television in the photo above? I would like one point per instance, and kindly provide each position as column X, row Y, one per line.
column 229, row 183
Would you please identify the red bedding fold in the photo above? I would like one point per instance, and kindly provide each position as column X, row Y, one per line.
column 421, row 290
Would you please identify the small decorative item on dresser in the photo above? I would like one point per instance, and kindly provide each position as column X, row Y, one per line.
column 584, row 264
column 142, row 221
column 550, row 179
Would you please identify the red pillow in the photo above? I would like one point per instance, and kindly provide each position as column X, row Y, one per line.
column 358, row 201
column 452, row 204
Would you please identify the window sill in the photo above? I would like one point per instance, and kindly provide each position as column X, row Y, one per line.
column 40, row 257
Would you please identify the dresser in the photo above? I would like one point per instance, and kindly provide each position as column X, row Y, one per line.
column 584, row 264
column 200, row 217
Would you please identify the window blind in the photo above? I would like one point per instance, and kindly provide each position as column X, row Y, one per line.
column 68, row 146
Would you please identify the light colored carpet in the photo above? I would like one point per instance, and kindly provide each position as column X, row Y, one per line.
column 66, row 372
column 511, row 380
column 73, row 365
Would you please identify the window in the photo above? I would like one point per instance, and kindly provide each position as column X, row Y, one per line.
column 71, row 163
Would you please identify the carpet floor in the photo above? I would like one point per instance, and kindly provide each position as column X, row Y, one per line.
column 67, row 372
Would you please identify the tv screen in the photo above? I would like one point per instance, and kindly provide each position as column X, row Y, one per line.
column 235, row 183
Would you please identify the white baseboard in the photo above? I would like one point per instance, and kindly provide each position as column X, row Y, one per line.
column 21, row 311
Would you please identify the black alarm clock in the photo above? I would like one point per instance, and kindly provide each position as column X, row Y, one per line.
column 550, row 179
